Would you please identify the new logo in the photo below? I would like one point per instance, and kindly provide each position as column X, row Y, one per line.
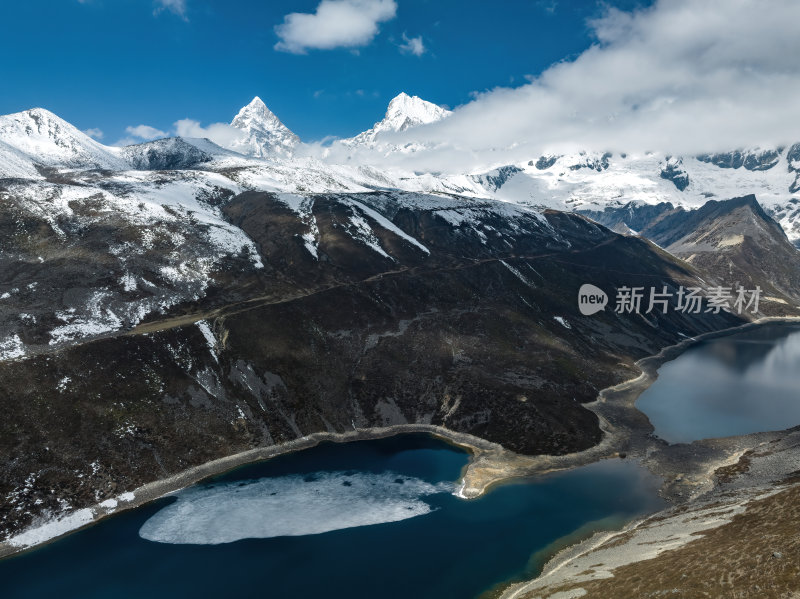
column 591, row 299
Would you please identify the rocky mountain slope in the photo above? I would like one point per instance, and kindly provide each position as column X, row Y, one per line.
column 327, row 313
column 168, row 303
column 734, row 241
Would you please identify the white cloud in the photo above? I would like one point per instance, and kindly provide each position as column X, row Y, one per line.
column 126, row 141
column 413, row 45
column 684, row 76
column 94, row 132
column 176, row 7
column 220, row 133
column 335, row 24
column 145, row 132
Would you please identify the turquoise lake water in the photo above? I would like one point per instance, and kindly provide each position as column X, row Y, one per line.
column 743, row 383
column 358, row 520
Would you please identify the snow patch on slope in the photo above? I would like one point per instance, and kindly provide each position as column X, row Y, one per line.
column 11, row 347
column 303, row 207
column 52, row 529
column 386, row 223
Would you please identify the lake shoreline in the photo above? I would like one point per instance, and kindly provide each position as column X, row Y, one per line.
column 679, row 489
column 489, row 463
column 626, row 430
column 474, row 446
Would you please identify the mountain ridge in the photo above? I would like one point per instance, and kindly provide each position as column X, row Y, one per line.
column 735, row 241
column 270, row 152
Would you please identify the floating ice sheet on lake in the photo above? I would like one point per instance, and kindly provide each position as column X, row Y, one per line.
column 294, row 505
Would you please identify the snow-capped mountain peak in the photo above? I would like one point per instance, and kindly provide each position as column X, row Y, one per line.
column 37, row 136
column 256, row 110
column 404, row 112
column 264, row 134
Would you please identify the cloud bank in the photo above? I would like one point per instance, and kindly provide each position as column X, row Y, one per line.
column 335, row 24
column 145, row 132
column 683, row 76
column 221, row 134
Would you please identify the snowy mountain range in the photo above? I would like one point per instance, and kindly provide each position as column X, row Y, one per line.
column 37, row 147
column 163, row 203
column 594, row 181
column 166, row 198
column 152, row 215
column 267, row 155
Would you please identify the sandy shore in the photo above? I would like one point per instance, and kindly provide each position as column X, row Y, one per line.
column 625, row 429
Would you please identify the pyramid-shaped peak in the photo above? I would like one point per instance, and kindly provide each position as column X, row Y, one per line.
column 402, row 97
column 256, row 104
column 263, row 132
column 255, row 109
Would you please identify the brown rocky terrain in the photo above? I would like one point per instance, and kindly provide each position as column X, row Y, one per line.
column 735, row 242
column 460, row 333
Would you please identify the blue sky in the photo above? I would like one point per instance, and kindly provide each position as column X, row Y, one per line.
column 111, row 64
